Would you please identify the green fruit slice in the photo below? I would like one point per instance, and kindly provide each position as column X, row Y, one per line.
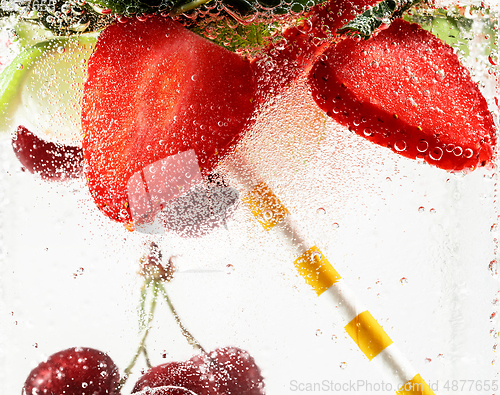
column 42, row 89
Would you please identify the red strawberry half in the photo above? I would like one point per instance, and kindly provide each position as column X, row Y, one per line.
column 293, row 55
column 159, row 103
column 406, row 89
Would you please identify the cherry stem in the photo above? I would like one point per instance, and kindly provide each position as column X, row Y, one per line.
column 146, row 328
column 189, row 337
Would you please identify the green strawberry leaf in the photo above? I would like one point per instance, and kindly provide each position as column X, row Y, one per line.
column 383, row 13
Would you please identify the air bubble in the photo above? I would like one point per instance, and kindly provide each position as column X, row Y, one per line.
column 321, row 211
column 468, row 153
column 316, row 256
column 421, row 209
column 403, row 280
column 411, row 102
column 493, row 268
column 458, row 151
column 194, row 77
column 368, row 132
column 439, row 75
column 400, row 145
column 335, row 225
column 268, row 214
column 436, row 153
column 61, row 49
column 374, row 64
column 19, row 66
column 422, row 146
column 343, row 365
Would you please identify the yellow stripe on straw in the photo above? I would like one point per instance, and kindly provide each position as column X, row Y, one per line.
column 316, row 270
column 313, row 266
column 368, row 334
column 415, row 386
column 265, row 206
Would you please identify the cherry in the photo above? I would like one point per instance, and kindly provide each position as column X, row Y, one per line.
column 52, row 161
column 192, row 375
column 166, row 390
column 236, row 372
column 75, row 371
column 224, row 371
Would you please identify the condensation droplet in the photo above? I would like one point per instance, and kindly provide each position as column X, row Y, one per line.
column 61, row 49
column 343, row 365
column 374, row 64
column 19, row 66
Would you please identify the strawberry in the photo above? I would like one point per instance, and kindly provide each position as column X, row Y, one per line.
column 52, row 161
column 287, row 58
column 405, row 89
column 160, row 102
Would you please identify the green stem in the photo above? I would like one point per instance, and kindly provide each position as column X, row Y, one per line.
column 186, row 7
column 189, row 337
column 142, row 343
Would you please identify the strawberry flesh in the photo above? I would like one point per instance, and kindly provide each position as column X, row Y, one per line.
column 406, row 89
column 158, row 97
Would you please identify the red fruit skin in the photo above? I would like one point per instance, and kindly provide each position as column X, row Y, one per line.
column 283, row 61
column 406, row 90
column 193, row 375
column 166, row 390
column 54, row 162
column 75, row 371
column 155, row 89
column 224, row 371
column 236, row 372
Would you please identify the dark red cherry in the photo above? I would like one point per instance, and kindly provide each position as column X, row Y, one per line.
column 192, row 375
column 52, row 161
column 75, row 371
column 236, row 372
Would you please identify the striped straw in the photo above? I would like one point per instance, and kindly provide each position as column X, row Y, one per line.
column 317, row 271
